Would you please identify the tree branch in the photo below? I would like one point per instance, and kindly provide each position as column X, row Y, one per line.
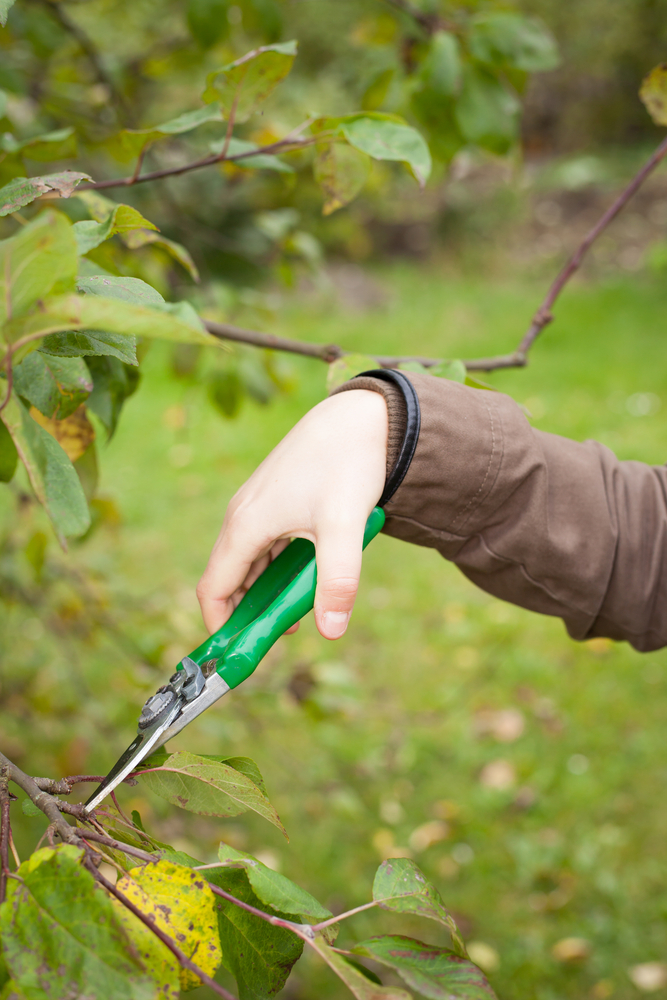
column 5, row 830
column 45, row 802
column 87, row 46
column 304, row 931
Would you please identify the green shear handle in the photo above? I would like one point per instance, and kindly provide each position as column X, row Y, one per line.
column 282, row 595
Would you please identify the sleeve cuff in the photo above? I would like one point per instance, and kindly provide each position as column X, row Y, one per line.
column 396, row 411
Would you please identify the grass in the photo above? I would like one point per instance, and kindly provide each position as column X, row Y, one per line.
column 397, row 730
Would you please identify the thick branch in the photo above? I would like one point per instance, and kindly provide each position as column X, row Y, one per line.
column 45, row 802
column 543, row 316
column 5, row 830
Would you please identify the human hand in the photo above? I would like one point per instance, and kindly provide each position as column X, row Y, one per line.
column 321, row 483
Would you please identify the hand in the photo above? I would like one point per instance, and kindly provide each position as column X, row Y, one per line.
column 321, row 482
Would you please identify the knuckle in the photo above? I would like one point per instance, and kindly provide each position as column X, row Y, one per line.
column 341, row 587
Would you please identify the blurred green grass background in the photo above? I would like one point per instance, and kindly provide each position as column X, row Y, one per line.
column 525, row 773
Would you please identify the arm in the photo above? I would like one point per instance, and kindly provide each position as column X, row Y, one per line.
column 553, row 525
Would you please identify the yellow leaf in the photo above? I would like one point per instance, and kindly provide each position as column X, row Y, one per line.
column 74, row 434
column 653, row 93
column 183, row 906
column 156, row 958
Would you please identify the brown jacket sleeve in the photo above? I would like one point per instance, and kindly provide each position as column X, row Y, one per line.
column 553, row 525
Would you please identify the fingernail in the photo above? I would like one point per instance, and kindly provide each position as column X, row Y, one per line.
column 335, row 623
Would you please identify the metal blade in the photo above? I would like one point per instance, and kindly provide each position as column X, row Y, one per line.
column 214, row 689
column 137, row 751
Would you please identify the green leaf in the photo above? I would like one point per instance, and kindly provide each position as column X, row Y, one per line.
column 454, row 370
column 50, row 471
column 414, row 366
column 8, row 454
column 341, row 171
column 274, row 889
column 432, row 971
column 39, row 259
column 399, row 885
column 357, row 982
column 226, row 392
column 92, row 343
column 5, row 6
column 487, row 112
column 168, row 321
column 263, row 161
column 245, row 765
column 208, row 21
column 243, row 85
column 524, row 43
column 55, row 386
column 50, row 950
column 114, row 382
column 58, row 145
column 384, row 138
column 441, row 69
column 24, row 190
column 28, row 808
column 376, row 93
column 131, row 143
column 123, row 289
column 89, row 234
column 343, row 369
column 208, row 788
column 145, row 237
column 653, row 93
column 259, row 955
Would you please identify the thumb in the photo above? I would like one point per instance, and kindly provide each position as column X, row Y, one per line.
column 338, row 569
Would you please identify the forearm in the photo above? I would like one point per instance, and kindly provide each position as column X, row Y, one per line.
column 552, row 525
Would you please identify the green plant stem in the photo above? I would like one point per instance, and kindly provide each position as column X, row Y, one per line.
column 343, row 916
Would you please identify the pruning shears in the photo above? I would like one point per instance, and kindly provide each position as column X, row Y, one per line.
column 278, row 599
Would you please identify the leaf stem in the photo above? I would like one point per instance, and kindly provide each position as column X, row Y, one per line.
column 303, row 931
column 343, row 916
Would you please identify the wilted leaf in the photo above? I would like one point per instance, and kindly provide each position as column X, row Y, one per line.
column 263, row 161
column 343, row 369
column 56, row 386
column 183, row 906
column 341, row 171
column 74, row 434
column 441, row 69
column 89, row 234
column 454, row 370
column 39, row 259
column 8, row 457
column 57, row 145
column 654, row 94
column 5, row 6
column 259, row 955
column 399, row 885
column 432, row 971
column 130, row 143
column 51, row 473
column 169, row 321
column 24, row 190
column 208, row 21
column 245, row 83
column 114, row 382
column 208, row 788
column 522, row 42
column 359, row 985
column 274, row 889
column 50, row 950
column 145, row 237
column 487, row 112
column 384, row 138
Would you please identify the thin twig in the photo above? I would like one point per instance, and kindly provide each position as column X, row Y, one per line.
column 12, row 847
column 181, row 957
column 5, row 830
column 118, row 845
column 303, row 931
column 543, row 315
column 10, row 378
column 230, row 126
column 281, row 146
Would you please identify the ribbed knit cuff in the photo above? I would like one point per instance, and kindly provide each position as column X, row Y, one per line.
column 396, row 411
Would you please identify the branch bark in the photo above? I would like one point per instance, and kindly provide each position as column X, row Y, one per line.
column 45, row 802
column 5, row 830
